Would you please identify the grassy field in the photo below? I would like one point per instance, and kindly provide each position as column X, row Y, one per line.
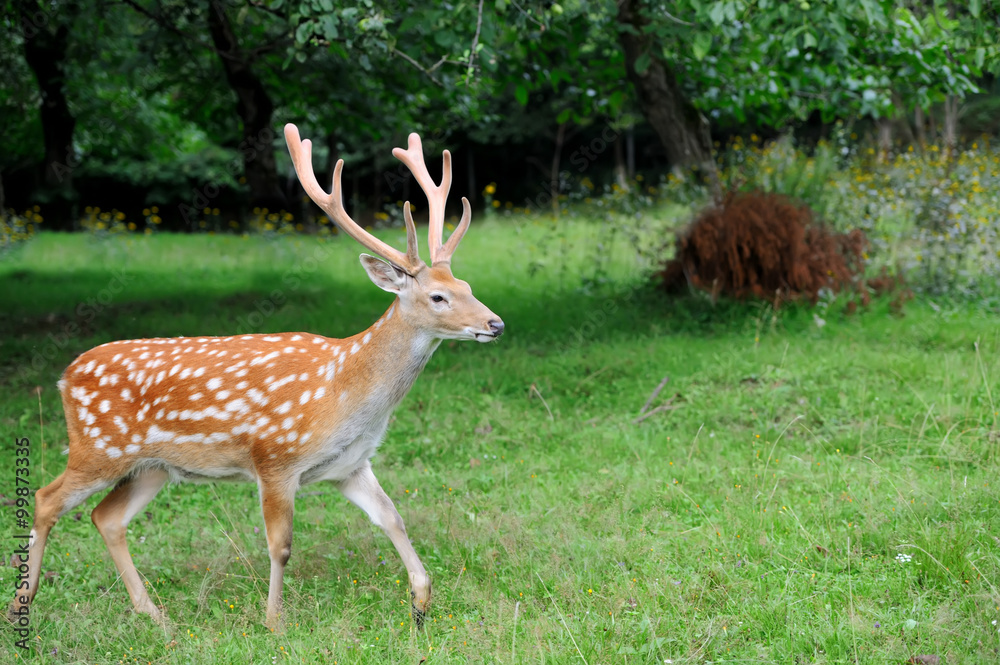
column 824, row 491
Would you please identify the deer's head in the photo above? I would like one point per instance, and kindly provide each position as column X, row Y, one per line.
column 431, row 298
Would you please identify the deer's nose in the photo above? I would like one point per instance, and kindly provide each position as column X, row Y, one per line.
column 496, row 327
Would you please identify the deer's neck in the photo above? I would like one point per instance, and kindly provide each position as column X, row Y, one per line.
column 388, row 357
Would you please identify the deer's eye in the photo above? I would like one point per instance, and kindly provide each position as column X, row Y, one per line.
column 437, row 297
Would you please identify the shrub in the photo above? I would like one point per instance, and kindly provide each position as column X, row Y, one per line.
column 763, row 245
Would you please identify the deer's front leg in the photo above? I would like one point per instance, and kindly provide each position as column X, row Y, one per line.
column 362, row 489
column 277, row 502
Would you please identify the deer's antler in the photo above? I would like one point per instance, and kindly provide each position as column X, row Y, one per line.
column 437, row 196
column 333, row 205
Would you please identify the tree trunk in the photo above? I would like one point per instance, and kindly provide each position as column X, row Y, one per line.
column 554, row 172
column 254, row 107
column 630, row 152
column 377, row 187
column 620, row 170
column 950, row 129
column 45, row 43
column 918, row 122
column 470, row 174
column 884, row 139
column 683, row 130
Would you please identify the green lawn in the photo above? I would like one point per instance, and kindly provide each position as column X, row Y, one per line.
column 820, row 493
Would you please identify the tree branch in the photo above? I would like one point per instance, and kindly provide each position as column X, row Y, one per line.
column 475, row 42
column 167, row 25
column 427, row 72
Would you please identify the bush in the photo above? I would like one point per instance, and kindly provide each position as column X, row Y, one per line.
column 763, row 245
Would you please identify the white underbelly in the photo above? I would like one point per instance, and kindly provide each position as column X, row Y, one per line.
column 342, row 459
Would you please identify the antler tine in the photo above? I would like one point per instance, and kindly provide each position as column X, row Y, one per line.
column 456, row 235
column 437, row 195
column 333, row 204
column 411, row 235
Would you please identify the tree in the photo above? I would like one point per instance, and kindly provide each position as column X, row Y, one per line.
column 683, row 129
column 45, row 34
column 255, row 109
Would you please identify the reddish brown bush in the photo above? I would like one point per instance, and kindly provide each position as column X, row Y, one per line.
column 764, row 246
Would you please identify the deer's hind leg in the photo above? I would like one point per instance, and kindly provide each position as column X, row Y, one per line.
column 112, row 516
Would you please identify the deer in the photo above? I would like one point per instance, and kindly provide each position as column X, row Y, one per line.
column 282, row 410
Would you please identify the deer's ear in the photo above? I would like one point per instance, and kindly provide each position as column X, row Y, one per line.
column 384, row 275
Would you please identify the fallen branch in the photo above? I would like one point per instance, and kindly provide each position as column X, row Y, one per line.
column 534, row 389
column 653, row 396
column 663, row 407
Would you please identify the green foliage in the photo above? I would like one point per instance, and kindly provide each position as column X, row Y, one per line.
column 821, row 493
column 776, row 61
column 781, row 168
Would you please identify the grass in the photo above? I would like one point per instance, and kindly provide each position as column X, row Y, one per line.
column 820, row 493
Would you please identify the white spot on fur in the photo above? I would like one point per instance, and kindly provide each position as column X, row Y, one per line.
column 238, row 405
column 80, row 394
column 319, row 392
column 113, row 452
column 263, row 359
column 277, row 384
column 284, row 408
column 305, row 397
column 157, row 435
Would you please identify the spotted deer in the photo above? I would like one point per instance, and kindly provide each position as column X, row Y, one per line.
column 281, row 410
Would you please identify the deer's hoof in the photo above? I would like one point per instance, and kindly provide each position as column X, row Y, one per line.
column 418, row 616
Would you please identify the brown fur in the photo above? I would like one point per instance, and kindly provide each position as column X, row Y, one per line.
column 281, row 410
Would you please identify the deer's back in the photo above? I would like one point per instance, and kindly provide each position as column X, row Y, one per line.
column 204, row 407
